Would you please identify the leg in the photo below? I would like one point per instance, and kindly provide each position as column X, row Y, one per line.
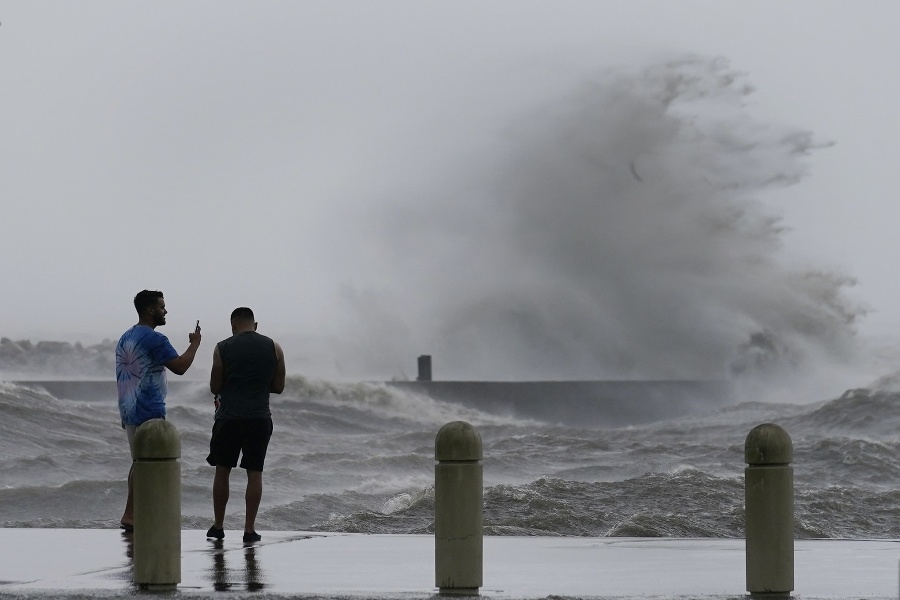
column 128, row 515
column 256, row 441
column 253, row 498
column 224, row 449
column 127, row 519
column 220, row 495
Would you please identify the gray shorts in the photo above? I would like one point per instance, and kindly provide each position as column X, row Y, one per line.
column 129, row 431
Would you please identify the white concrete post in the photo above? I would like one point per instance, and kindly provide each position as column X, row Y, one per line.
column 769, row 506
column 157, row 506
column 458, row 505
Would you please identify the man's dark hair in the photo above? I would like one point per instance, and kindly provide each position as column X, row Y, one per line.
column 242, row 314
column 146, row 299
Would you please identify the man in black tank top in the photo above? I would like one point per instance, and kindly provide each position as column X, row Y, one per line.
column 246, row 368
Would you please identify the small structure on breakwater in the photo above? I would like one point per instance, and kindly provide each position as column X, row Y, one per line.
column 592, row 403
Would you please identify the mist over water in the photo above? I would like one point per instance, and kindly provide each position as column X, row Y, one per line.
column 618, row 231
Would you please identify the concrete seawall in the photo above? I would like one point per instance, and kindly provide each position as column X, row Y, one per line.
column 590, row 403
column 91, row 389
column 584, row 403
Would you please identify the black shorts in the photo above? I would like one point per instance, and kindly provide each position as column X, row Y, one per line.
column 246, row 437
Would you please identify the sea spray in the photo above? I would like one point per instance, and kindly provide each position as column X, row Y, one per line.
column 617, row 231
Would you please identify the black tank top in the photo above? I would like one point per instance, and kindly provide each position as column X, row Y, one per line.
column 249, row 364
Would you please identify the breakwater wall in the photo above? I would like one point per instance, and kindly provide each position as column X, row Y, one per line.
column 91, row 389
column 590, row 403
column 599, row 403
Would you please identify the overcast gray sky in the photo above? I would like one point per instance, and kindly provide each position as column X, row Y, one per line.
column 301, row 158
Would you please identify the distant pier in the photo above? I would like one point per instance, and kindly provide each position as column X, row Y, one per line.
column 589, row 403
column 599, row 403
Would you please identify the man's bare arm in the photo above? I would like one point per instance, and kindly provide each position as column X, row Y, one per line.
column 181, row 364
column 277, row 385
column 217, row 373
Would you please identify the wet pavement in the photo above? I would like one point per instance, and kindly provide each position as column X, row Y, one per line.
column 86, row 563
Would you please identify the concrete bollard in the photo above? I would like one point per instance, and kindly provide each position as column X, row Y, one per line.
column 769, row 505
column 157, row 506
column 458, row 505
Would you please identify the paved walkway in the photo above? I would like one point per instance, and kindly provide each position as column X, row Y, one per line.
column 82, row 563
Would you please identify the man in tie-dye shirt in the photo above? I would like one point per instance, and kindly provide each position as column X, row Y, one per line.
column 142, row 357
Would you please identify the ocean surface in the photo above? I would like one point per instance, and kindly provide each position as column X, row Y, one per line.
column 359, row 457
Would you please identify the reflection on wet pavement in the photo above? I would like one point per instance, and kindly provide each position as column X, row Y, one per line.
column 251, row 578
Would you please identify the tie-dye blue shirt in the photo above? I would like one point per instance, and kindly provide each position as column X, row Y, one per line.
column 141, row 355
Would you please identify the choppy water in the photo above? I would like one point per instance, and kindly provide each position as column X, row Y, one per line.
column 360, row 458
